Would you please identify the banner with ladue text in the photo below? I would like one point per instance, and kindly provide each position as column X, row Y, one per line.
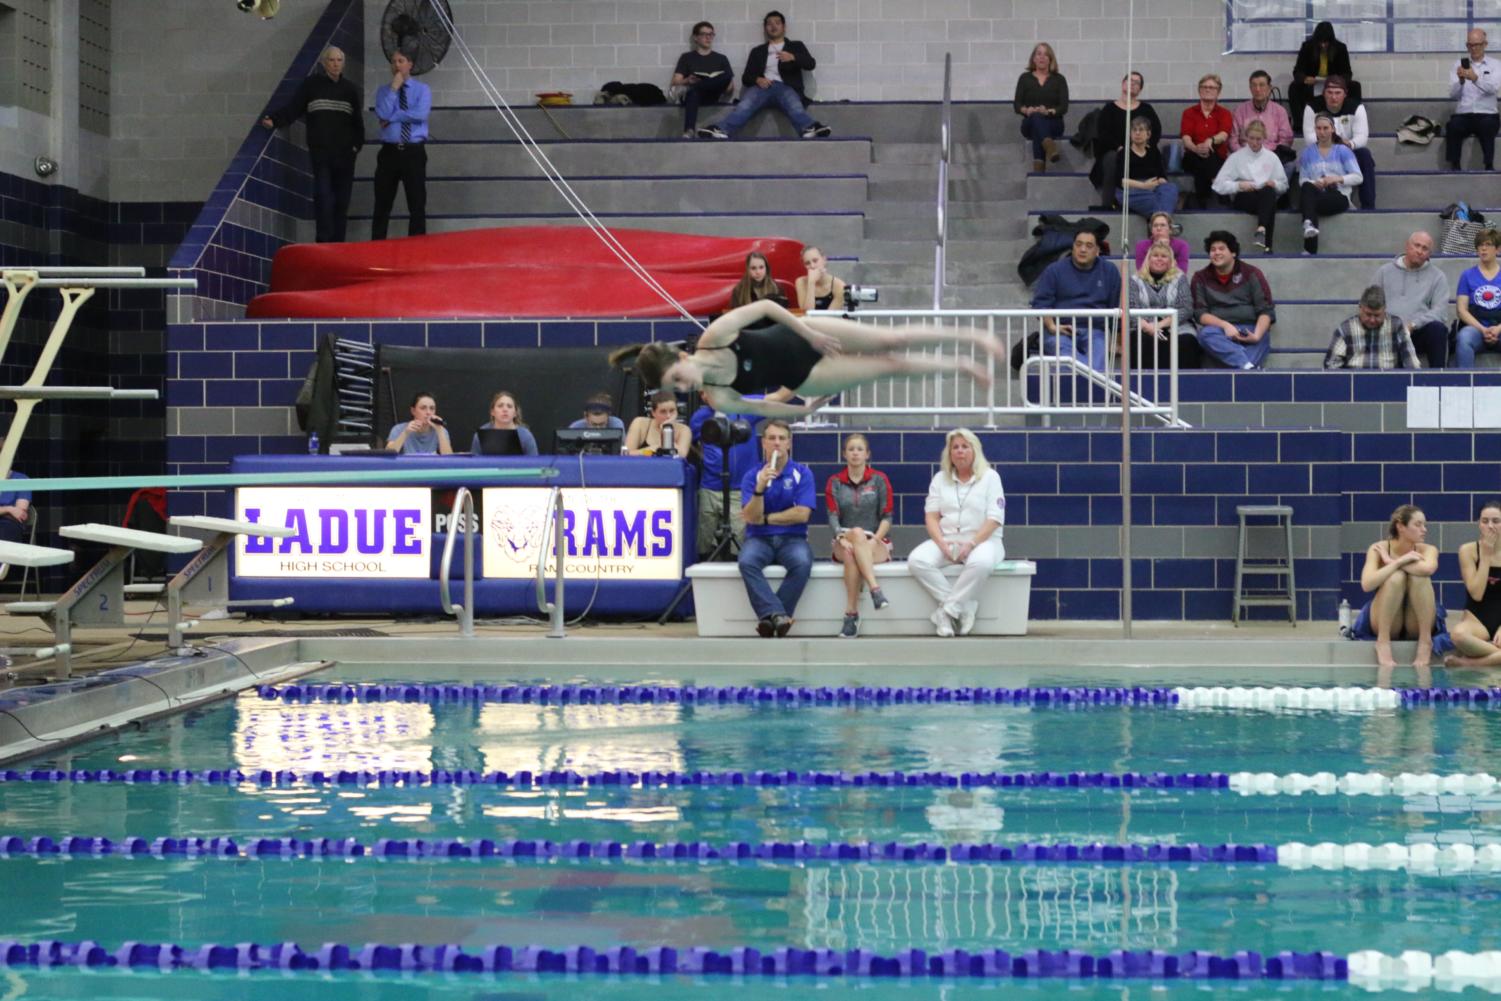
column 369, row 532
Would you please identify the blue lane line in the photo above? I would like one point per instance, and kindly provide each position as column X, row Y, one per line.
column 625, row 778
column 526, row 849
column 665, row 960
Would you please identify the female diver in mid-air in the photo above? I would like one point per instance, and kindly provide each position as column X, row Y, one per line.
column 816, row 356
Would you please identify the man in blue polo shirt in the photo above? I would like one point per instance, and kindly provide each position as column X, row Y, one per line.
column 778, row 501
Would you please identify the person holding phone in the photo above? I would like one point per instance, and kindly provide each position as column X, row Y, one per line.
column 424, row 434
column 1472, row 87
column 778, row 501
column 703, row 76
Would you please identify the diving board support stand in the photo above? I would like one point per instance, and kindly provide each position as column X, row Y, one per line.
column 77, row 287
column 205, row 578
column 98, row 597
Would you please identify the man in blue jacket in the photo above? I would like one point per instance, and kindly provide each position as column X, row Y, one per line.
column 773, row 76
column 779, row 498
column 1082, row 280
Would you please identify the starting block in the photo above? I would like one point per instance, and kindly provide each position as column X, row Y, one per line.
column 205, row 579
column 98, row 597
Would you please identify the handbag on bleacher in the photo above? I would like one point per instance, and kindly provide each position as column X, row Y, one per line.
column 1461, row 225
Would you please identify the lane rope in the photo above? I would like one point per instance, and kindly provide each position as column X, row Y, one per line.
column 664, row 960
column 1449, row 859
column 1242, row 783
column 1337, row 699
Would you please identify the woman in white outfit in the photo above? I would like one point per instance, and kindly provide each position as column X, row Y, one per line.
column 965, row 516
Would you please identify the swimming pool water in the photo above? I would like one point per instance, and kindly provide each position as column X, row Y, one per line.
column 879, row 906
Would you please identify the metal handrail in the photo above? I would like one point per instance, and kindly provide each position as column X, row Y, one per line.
column 552, row 609
column 945, row 149
column 459, row 519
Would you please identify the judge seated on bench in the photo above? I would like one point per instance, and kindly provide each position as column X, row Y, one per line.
column 15, row 515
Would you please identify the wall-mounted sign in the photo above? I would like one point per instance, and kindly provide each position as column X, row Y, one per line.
column 616, row 533
column 371, row 532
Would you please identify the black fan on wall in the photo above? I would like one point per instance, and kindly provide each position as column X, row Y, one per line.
column 416, row 28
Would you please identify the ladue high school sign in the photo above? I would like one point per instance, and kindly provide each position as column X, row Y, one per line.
column 615, row 534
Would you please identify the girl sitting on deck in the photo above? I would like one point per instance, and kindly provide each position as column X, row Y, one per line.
column 1399, row 569
column 1477, row 637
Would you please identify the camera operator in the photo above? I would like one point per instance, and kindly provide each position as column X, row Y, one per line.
column 661, row 433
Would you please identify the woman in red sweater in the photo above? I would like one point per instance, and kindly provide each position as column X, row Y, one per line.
column 1205, row 129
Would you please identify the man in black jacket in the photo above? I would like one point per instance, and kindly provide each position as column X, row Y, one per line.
column 773, row 76
column 335, row 133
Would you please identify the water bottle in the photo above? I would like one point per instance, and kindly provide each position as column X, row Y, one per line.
column 1344, row 617
column 312, row 443
column 667, row 439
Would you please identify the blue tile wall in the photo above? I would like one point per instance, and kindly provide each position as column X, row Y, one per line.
column 1058, row 480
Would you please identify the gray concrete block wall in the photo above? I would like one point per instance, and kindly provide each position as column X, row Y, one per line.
column 189, row 78
column 876, row 50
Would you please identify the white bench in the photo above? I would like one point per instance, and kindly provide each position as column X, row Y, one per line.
column 723, row 609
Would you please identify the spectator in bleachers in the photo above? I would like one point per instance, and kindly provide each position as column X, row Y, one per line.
column 1477, row 636
column 1041, row 99
column 1474, row 82
column 1143, row 171
column 646, row 435
column 1233, row 304
column 773, row 77
column 779, row 498
column 756, row 283
column 599, row 413
column 505, row 415
column 1399, row 569
column 1320, row 57
column 817, row 289
column 1205, row 134
column 1329, row 173
column 424, row 434
column 1160, row 284
column 965, row 514
column 402, row 108
column 1082, row 280
column 1417, row 291
column 1273, row 117
column 1110, row 134
column 1372, row 338
column 1161, row 227
column 859, row 502
column 1478, row 302
column 332, row 105
column 1351, row 126
column 1253, row 179
column 702, row 75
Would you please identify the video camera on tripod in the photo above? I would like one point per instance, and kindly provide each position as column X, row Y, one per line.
column 724, row 433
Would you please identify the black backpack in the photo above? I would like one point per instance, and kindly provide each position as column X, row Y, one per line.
column 641, row 94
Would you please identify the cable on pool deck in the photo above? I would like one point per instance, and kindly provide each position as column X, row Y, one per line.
column 664, row 960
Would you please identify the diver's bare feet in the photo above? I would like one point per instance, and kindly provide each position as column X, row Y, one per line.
column 1424, row 656
column 1384, row 654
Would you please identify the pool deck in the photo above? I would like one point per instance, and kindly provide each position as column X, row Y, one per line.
column 126, row 677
